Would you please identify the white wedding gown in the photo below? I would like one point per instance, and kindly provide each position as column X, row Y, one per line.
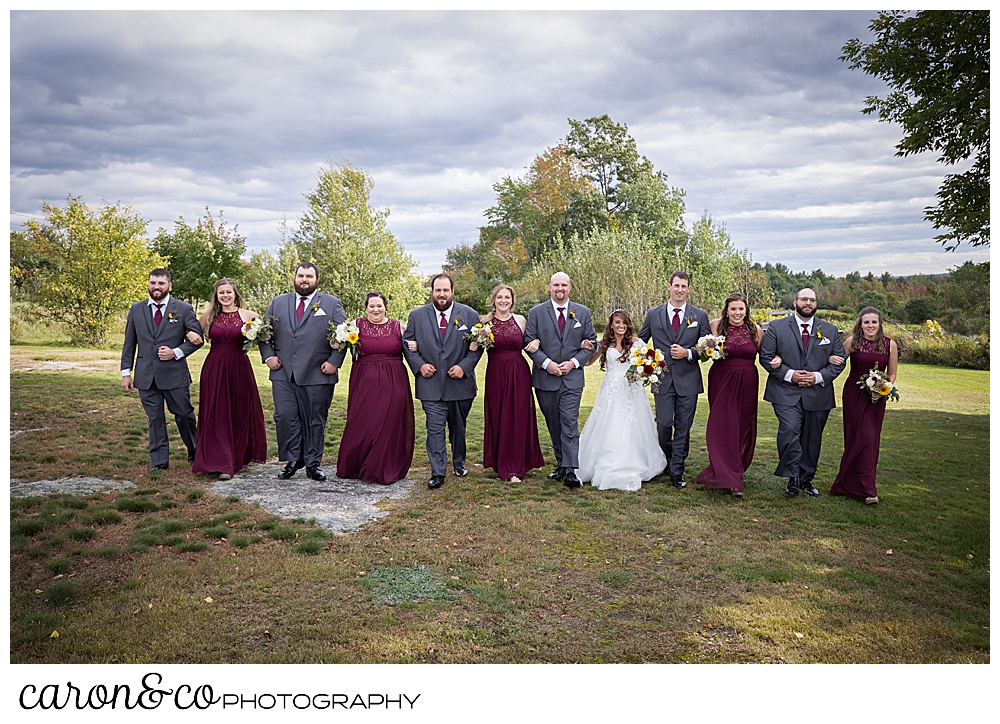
column 619, row 447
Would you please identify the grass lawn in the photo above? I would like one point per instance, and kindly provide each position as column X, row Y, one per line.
column 520, row 573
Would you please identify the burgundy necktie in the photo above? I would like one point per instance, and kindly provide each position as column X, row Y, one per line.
column 562, row 320
column 301, row 310
column 676, row 324
column 158, row 317
column 805, row 336
column 444, row 325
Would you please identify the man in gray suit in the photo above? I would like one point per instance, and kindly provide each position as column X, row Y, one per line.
column 561, row 327
column 445, row 372
column 675, row 328
column 303, row 370
column 800, row 388
column 156, row 329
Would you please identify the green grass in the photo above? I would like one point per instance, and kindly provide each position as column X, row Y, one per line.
column 537, row 573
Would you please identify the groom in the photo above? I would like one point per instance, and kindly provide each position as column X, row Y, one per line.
column 156, row 328
column 675, row 328
column 800, row 389
column 444, row 369
column 303, row 370
column 560, row 326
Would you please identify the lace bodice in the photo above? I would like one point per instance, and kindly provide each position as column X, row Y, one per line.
column 380, row 340
column 507, row 336
column 740, row 343
column 869, row 354
column 226, row 332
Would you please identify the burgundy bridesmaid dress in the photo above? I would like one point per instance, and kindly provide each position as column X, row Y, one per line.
column 731, row 435
column 862, row 424
column 510, row 444
column 230, row 419
column 377, row 445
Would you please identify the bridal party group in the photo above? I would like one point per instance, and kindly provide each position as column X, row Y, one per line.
column 304, row 337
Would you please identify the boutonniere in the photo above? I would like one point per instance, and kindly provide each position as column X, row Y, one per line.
column 172, row 317
column 458, row 320
column 572, row 314
column 315, row 307
column 690, row 321
column 819, row 335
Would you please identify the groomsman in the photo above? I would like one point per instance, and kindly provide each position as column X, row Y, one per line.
column 303, row 370
column 675, row 328
column 800, row 389
column 561, row 327
column 445, row 372
column 156, row 329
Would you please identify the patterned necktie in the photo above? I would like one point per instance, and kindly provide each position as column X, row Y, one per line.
column 676, row 324
column 158, row 317
column 805, row 336
column 301, row 310
column 443, row 325
column 562, row 320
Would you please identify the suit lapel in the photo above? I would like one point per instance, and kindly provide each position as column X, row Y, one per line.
column 797, row 331
column 167, row 310
column 147, row 311
column 436, row 325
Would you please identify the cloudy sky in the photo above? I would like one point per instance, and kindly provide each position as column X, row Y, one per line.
column 751, row 113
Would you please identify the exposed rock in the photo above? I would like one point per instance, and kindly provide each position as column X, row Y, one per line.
column 70, row 486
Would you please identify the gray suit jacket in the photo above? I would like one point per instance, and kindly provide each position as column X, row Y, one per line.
column 302, row 346
column 783, row 337
column 543, row 326
column 143, row 336
column 685, row 374
column 422, row 327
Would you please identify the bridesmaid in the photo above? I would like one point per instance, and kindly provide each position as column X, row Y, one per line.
column 377, row 445
column 230, row 418
column 868, row 347
column 731, row 434
column 511, row 444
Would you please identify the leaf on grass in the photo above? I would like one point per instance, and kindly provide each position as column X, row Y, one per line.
column 38, row 590
column 969, row 556
column 889, row 552
column 54, row 635
column 150, row 606
column 487, row 507
column 798, row 635
column 209, row 600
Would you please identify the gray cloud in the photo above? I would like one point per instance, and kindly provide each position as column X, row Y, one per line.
column 751, row 113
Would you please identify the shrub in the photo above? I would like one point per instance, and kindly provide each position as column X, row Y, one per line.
column 933, row 347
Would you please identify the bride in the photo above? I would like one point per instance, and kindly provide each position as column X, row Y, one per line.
column 618, row 446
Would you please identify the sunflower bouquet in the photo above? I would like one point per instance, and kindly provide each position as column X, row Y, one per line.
column 877, row 384
column 345, row 333
column 711, row 347
column 647, row 367
column 258, row 330
column 481, row 334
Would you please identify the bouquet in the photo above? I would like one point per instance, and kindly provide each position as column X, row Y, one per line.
column 711, row 347
column 876, row 383
column 481, row 334
column 345, row 333
column 258, row 330
column 647, row 366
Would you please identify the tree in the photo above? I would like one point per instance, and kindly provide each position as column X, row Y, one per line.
column 938, row 64
column 350, row 243
column 198, row 256
column 96, row 264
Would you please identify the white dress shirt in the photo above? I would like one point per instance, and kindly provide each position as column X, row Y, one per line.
column 178, row 352
column 670, row 320
column 555, row 308
column 809, row 326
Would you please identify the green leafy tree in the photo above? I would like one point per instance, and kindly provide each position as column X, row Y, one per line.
column 96, row 264
column 351, row 244
column 266, row 277
column 938, row 64
column 198, row 256
column 712, row 261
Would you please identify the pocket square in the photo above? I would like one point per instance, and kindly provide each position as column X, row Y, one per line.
column 577, row 325
column 462, row 327
column 693, row 324
column 319, row 313
column 824, row 341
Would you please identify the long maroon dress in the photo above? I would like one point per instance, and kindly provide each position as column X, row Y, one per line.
column 862, row 424
column 731, row 434
column 510, row 444
column 230, row 419
column 377, row 445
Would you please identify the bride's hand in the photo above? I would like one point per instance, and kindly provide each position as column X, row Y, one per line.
column 533, row 346
column 776, row 362
column 588, row 344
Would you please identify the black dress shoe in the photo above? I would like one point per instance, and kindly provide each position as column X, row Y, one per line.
column 461, row 472
column 315, row 473
column 190, row 458
column 571, row 480
column 436, row 482
column 290, row 469
column 158, row 468
column 806, row 487
column 557, row 474
column 793, row 487
column 678, row 482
